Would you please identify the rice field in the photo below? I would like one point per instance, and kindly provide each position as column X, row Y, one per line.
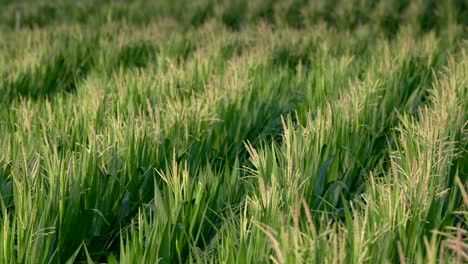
column 236, row 131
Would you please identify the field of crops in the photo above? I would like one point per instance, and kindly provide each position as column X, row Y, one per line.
column 234, row 131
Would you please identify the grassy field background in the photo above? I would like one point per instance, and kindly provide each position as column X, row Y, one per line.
column 234, row 131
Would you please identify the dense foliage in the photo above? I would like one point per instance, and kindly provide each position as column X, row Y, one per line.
column 234, row 131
